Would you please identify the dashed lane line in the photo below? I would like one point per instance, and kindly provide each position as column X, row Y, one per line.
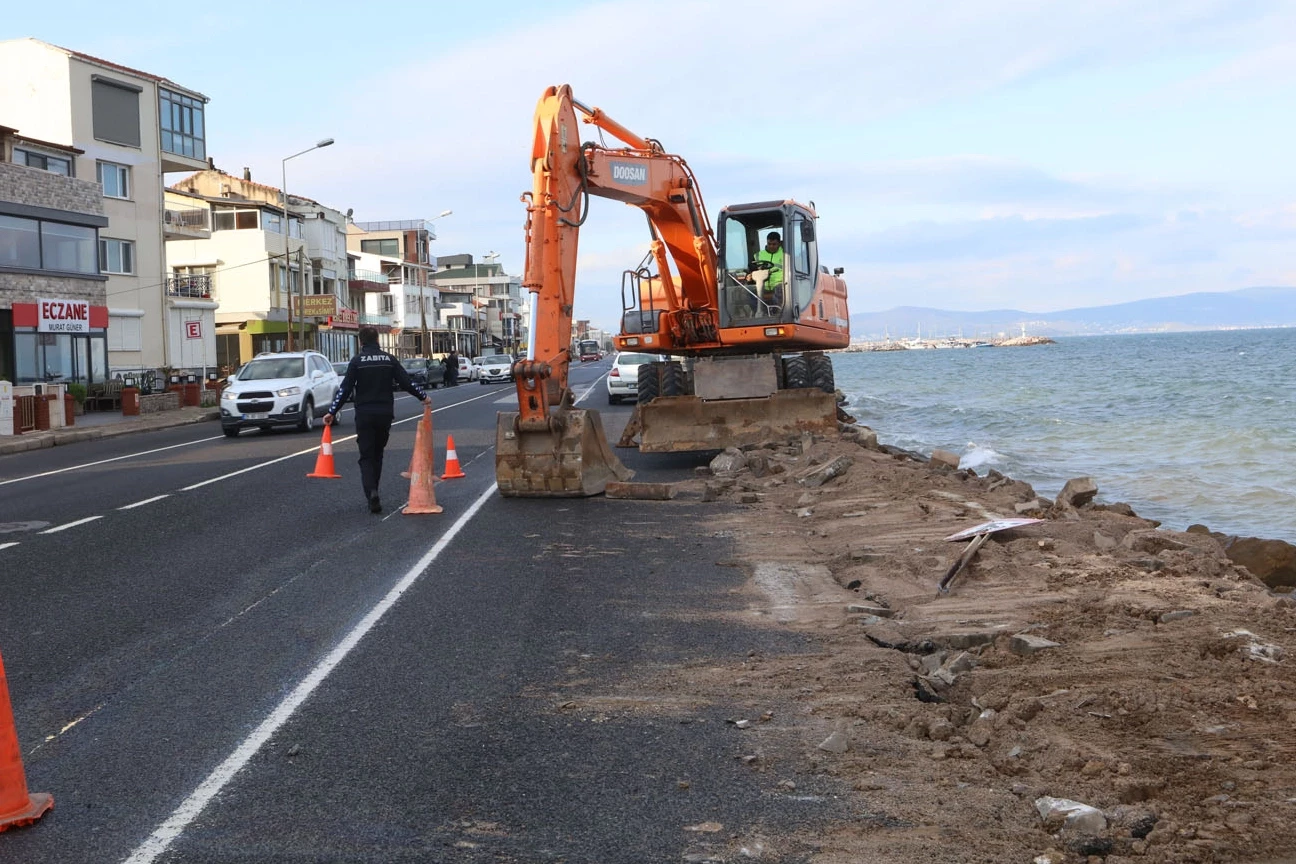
column 58, row 528
column 7, row 545
column 142, row 503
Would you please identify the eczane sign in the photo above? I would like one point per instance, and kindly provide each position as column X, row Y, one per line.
column 63, row 316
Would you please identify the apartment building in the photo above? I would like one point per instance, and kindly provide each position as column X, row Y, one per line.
column 123, row 129
column 53, row 306
column 398, row 255
column 480, row 297
column 277, row 285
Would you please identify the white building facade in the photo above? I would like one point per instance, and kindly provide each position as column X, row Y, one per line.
column 131, row 128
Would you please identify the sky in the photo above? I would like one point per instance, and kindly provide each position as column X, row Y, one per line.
column 961, row 154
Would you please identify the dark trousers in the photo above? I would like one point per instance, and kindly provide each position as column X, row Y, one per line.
column 451, row 376
column 372, row 432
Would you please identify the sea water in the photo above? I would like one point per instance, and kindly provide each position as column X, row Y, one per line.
column 1184, row 427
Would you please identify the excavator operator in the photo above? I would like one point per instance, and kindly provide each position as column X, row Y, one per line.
column 771, row 258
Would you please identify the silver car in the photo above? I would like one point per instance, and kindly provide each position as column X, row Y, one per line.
column 495, row 368
column 623, row 379
column 281, row 389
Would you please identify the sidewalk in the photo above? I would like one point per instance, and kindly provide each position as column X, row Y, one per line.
column 105, row 424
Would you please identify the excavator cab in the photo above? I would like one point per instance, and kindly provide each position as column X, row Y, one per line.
column 767, row 260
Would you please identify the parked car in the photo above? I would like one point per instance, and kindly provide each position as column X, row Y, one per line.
column 495, row 368
column 623, row 379
column 279, row 389
column 467, row 371
column 477, row 365
column 426, row 373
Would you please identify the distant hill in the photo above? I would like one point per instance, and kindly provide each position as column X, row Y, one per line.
column 1214, row 310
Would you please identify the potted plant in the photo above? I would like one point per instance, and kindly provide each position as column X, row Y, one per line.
column 78, row 394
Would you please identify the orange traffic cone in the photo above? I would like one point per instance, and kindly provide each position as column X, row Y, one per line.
column 422, row 499
column 17, row 807
column 453, row 471
column 324, row 462
column 410, row 470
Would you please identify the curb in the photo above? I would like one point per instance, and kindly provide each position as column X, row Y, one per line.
column 63, row 437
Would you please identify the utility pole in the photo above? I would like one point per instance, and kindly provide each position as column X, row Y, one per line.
column 301, row 297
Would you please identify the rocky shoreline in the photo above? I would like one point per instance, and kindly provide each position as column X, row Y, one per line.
column 1092, row 687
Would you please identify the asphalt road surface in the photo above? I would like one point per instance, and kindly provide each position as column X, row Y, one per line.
column 212, row 658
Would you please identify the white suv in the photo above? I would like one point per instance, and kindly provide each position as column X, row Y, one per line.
column 623, row 377
column 289, row 389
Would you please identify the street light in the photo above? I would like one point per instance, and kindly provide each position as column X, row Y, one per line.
column 427, row 348
column 283, row 191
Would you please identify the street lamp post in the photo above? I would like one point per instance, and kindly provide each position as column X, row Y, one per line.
column 427, row 348
column 283, row 191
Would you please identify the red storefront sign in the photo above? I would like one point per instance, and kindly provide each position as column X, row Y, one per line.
column 44, row 315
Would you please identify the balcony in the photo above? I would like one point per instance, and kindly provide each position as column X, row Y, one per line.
column 197, row 287
column 368, row 280
column 382, row 320
column 183, row 222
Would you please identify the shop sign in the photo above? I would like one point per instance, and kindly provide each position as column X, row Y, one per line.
column 193, row 329
column 316, row 305
column 63, row 316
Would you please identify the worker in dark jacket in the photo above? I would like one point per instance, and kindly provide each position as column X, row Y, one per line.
column 371, row 374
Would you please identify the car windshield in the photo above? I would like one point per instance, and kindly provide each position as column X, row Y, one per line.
column 632, row 359
column 498, row 358
column 272, row 367
column 413, row 363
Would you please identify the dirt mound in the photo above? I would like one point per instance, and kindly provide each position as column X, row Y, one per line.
column 1090, row 657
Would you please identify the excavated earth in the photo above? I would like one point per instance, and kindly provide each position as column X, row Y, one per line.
column 1091, row 657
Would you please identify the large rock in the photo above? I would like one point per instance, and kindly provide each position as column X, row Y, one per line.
column 945, row 459
column 823, row 473
column 1273, row 562
column 1077, row 492
column 731, row 461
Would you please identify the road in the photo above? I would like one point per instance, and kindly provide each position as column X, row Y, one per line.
column 212, row 658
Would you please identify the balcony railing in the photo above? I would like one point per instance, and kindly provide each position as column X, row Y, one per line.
column 197, row 285
column 182, row 220
column 367, row 280
column 382, row 319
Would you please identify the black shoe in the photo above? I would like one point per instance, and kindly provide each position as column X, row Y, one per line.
column 375, row 504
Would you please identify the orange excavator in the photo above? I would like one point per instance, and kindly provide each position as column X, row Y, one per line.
column 743, row 314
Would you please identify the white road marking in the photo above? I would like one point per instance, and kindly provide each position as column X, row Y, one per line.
column 142, row 503
column 106, row 461
column 192, row 807
column 70, row 525
column 7, row 545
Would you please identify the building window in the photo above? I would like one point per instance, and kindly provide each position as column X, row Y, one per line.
column 234, row 220
column 115, row 179
column 181, row 118
column 33, row 244
column 68, row 247
column 43, row 161
column 389, row 247
column 115, row 109
column 19, row 242
column 387, row 304
column 117, row 256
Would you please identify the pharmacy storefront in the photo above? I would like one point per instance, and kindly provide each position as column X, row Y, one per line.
column 59, row 340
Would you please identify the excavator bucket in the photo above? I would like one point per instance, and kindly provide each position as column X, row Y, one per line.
column 574, row 461
column 674, row 424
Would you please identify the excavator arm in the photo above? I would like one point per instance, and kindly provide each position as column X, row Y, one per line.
column 564, row 174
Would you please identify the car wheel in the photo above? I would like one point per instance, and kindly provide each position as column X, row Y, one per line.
column 307, row 421
column 231, row 431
